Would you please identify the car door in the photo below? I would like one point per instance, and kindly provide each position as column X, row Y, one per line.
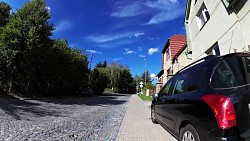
column 172, row 102
column 159, row 103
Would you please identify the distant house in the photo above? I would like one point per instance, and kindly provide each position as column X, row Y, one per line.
column 175, row 56
column 217, row 27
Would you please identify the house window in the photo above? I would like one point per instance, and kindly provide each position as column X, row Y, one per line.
column 195, row 1
column 214, row 50
column 168, row 54
column 202, row 16
column 169, row 72
column 230, row 3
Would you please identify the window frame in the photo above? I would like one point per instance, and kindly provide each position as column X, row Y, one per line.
column 234, row 71
column 214, row 50
column 161, row 93
column 202, row 16
column 177, row 78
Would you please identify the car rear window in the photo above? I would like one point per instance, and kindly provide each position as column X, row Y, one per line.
column 231, row 72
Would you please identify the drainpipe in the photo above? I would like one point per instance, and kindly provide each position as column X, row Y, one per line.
column 187, row 38
column 186, row 53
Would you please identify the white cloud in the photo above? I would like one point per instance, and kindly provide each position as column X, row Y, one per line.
column 113, row 40
column 63, row 26
column 137, row 35
column 153, row 38
column 142, row 56
column 115, row 44
column 153, row 76
column 128, row 10
column 128, row 51
column 151, row 51
column 169, row 10
column 48, row 8
column 108, row 38
column 112, row 37
column 94, row 51
column 174, row 1
column 116, row 59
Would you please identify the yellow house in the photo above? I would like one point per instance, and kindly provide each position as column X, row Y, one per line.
column 175, row 56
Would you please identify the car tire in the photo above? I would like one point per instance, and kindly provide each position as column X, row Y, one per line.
column 153, row 115
column 189, row 133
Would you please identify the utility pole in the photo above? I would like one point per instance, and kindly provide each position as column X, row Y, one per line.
column 91, row 56
column 145, row 74
column 90, row 63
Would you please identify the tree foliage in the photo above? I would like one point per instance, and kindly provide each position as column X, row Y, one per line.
column 68, row 70
column 31, row 62
column 146, row 75
column 24, row 45
column 113, row 76
column 4, row 13
column 99, row 80
column 124, row 81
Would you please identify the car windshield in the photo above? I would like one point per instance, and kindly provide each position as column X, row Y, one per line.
column 231, row 72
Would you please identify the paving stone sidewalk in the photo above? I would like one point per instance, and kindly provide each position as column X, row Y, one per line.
column 137, row 125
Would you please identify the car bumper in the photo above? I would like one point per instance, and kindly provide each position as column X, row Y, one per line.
column 232, row 138
column 206, row 136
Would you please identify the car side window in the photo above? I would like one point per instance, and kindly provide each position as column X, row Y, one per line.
column 180, row 85
column 166, row 89
column 229, row 73
column 194, row 78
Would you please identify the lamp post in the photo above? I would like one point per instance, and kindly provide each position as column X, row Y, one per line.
column 141, row 86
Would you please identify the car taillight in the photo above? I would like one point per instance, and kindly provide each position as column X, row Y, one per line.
column 223, row 109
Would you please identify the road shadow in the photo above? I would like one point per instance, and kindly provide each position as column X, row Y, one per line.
column 29, row 108
column 23, row 110
column 101, row 100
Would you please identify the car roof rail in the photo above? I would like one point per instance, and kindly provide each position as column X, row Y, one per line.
column 197, row 62
column 244, row 54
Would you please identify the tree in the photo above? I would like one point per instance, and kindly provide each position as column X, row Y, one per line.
column 33, row 64
column 4, row 13
column 68, row 69
column 101, row 65
column 99, row 80
column 24, row 45
column 136, row 83
column 123, row 83
column 147, row 75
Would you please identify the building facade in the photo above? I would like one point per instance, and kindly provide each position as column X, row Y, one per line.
column 175, row 56
column 217, row 27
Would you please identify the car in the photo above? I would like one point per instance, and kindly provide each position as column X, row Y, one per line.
column 208, row 100
column 88, row 91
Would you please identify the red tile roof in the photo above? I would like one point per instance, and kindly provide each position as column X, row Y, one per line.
column 176, row 43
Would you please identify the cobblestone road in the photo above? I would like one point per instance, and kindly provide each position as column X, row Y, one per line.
column 96, row 118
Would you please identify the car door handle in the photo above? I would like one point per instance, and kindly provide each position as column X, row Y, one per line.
column 178, row 100
column 163, row 100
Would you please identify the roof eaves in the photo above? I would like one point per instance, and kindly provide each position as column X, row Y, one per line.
column 160, row 73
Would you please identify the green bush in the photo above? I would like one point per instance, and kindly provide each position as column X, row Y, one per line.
column 145, row 98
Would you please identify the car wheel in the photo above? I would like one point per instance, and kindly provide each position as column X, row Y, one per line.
column 189, row 133
column 153, row 115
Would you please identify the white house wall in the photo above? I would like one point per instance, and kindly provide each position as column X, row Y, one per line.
column 231, row 31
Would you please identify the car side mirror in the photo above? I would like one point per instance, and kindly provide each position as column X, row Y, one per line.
column 155, row 96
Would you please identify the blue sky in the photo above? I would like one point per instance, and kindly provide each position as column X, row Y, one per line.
column 124, row 31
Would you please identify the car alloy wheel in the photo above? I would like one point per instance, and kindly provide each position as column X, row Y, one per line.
column 153, row 115
column 189, row 133
column 188, row 136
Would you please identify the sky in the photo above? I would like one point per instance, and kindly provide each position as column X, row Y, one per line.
column 129, row 32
